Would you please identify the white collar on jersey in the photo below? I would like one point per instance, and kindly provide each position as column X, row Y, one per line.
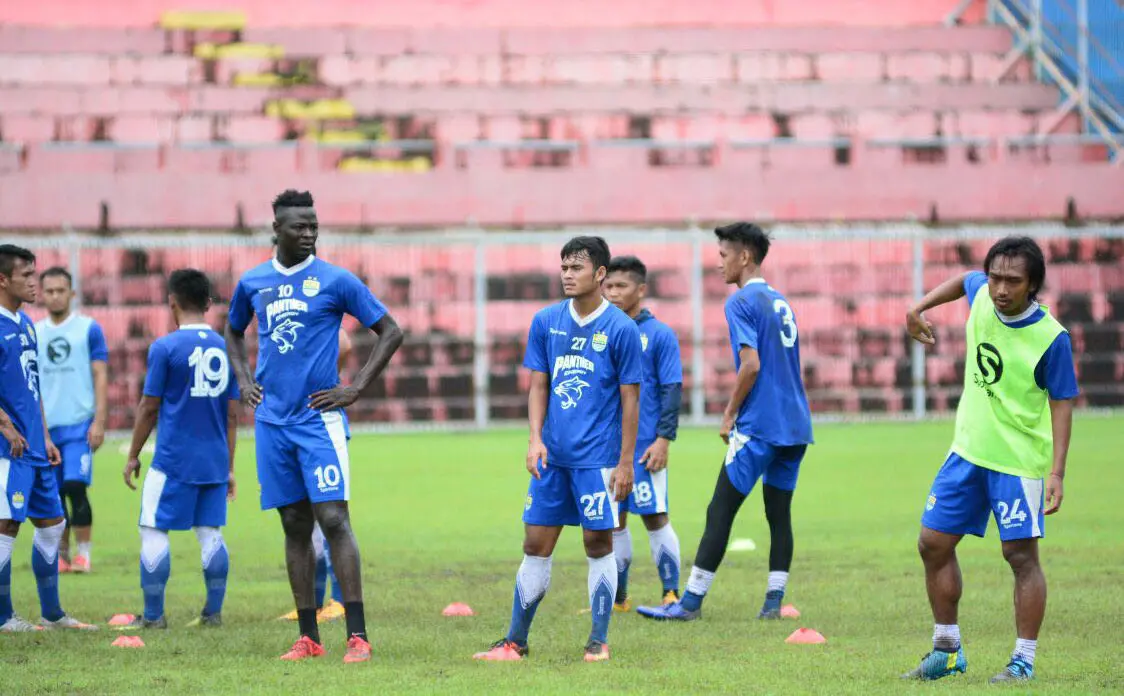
column 192, row 327
column 295, row 269
column 592, row 317
column 754, row 280
column 1023, row 316
column 4, row 312
column 64, row 322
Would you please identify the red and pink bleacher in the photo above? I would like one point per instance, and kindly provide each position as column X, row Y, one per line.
column 421, row 113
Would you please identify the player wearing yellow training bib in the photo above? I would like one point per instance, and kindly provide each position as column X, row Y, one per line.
column 1008, row 454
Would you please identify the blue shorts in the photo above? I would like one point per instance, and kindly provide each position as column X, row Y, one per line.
column 28, row 491
column 748, row 459
column 303, row 461
column 77, row 458
column 571, row 497
column 169, row 504
column 963, row 494
column 649, row 490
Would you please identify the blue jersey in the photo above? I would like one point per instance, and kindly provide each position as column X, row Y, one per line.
column 299, row 312
column 66, row 352
column 587, row 360
column 1054, row 372
column 189, row 371
column 662, row 367
column 776, row 410
column 19, row 385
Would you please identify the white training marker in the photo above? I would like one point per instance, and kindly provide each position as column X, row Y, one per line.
column 743, row 545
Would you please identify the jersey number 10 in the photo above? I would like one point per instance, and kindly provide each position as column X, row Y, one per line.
column 211, row 372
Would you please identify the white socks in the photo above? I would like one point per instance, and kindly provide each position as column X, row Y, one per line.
column 699, row 581
column 7, row 543
column 533, row 579
column 154, row 547
column 666, row 540
column 1025, row 649
column 622, row 548
column 210, row 541
column 47, row 540
column 84, row 549
column 946, row 636
column 777, row 580
column 602, row 569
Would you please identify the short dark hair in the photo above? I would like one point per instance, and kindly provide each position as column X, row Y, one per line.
column 9, row 253
column 595, row 247
column 191, row 288
column 629, row 264
column 1029, row 251
column 748, row 235
column 291, row 198
column 57, row 271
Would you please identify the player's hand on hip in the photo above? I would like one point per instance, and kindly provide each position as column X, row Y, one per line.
column 132, row 472
column 655, row 457
column 1053, row 494
column 16, row 443
column 726, row 427
column 252, row 395
column 919, row 329
column 231, row 490
column 332, row 399
column 620, row 481
column 54, row 457
column 536, row 459
column 95, row 436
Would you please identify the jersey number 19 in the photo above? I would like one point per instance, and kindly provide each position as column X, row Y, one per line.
column 211, row 374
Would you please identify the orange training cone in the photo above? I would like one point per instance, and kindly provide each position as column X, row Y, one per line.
column 790, row 612
column 806, row 636
column 458, row 609
column 121, row 619
column 128, row 642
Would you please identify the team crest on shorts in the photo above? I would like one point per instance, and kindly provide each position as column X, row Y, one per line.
column 310, row 287
column 600, row 341
column 931, row 503
column 527, row 505
column 644, row 341
column 17, row 500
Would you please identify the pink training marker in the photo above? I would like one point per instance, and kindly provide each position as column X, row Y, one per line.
column 121, row 619
column 790, row 612
column 806, row 636
column 128, row 642
column 458, row 609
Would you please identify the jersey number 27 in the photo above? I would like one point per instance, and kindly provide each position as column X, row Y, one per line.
column 788, row 323
column 211, row 371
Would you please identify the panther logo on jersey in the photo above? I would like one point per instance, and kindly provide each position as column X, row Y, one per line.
column 29, row 366
column 58, row 350
column 570, row 391
column 285, row 335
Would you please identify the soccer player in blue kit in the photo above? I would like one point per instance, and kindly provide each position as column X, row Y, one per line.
column 301, row 436
column 583, row 407
column 661, row 395
column 767, row 424
column 28, row 487
column 187, row 393
column 74, row 379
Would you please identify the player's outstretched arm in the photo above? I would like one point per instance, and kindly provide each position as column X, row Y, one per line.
column 743, row 385
column 1061, row 422
column 240, row 361
column 950, row 290
column 538, row 396
column 147, row 411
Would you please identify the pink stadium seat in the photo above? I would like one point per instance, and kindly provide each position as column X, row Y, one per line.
column 303, row 41
column 850, row 67
column 813, row 127
column 602, row 69
column 194, row 161
column 77, row 159
column 11, row 159
column 994, row 123
column 753, row 68
column 59, row 69
column 338, row 70
column 139, row 160
column 918, row 67
column 884, row 124
column 412, row 70
column 17, row 128
column 703, row 68
column 141, row 129
column 367, row 41
column 194, row 128
column 226, row 100
column 249, row 130
column 227, row 68
column 40, row 40
column 155, row 70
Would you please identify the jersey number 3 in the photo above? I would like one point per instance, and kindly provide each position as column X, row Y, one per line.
column 788, row 323
column 212, row 374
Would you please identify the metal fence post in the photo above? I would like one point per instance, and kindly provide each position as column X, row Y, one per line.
column 917, row 351
column 1036, row 38
column 698, row 362
column 75, row 261
column 481, row 375
column 1083, row 59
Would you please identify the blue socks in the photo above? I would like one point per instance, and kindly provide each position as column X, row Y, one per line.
column 215, row 570
column 664, row 543
column 45, row 566
column 531, row 584
column 602, row 584
column 6, row 610
column 154, row 580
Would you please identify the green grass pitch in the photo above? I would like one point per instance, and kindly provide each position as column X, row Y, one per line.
column 438, row 520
